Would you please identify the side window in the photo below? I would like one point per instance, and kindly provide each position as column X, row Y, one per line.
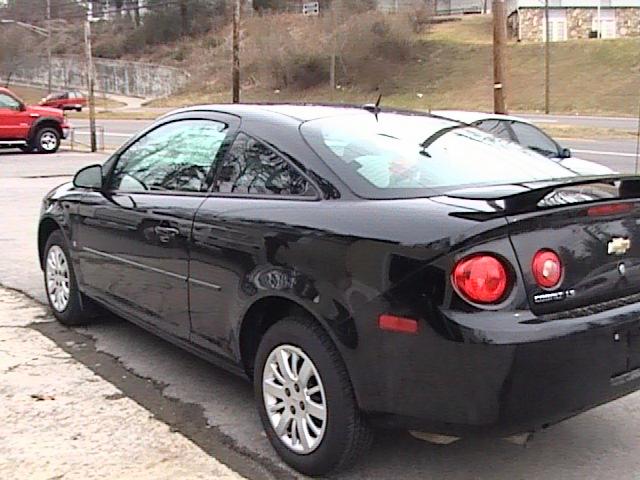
column 495, row 127
column 251, row 167
column 177, row 156
column 9, row 102
column 531, row 137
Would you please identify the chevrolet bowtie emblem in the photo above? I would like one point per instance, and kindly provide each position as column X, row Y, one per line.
column 618, row 246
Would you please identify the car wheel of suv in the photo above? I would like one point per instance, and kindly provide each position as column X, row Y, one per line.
column 305, row 399
column 63, row 295
column 47, row 140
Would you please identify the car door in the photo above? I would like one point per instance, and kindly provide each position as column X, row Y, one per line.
column 133, row 237
column 234, row 243
column 14, row 120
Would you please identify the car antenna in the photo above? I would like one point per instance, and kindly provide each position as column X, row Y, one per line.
column 374, row 108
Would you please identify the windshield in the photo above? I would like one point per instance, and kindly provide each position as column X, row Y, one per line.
column 399, row 156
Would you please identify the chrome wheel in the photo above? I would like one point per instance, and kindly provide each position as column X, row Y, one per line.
column 58, row 282
column 294, row 399
column 48, row 141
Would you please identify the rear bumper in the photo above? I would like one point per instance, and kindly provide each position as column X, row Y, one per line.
column 461, row 388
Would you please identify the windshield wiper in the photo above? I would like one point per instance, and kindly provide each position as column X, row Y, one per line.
column 543, row 151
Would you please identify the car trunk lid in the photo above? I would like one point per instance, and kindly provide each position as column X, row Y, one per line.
column 592, row 223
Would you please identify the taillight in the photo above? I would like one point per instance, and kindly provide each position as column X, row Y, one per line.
column 546, row 268
column 481, row 278
column 611, row 209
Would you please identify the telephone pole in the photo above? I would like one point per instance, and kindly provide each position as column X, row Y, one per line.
column 235, row 69
column 49, row 45
column 499, row 41
column 90, row 76
column 547, row 56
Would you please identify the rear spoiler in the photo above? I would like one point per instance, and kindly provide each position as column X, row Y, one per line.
column 526, row 197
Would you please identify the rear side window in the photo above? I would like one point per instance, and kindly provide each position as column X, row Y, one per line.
column 252, row 167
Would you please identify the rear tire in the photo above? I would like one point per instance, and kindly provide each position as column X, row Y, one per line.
column 47, row 140
column 65, row 300
column 330, row 445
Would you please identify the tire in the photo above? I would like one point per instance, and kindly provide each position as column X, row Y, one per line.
column 78, row 109
column 47, row 140
column 71, row 311
column 335, row 443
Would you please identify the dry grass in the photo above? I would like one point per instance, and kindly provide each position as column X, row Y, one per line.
column 448, row 67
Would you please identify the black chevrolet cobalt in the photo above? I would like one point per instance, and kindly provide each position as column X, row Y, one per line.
column 362, row 268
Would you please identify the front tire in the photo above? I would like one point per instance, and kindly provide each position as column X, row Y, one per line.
column 64, row 298
column 47, row 140
column 305, row 399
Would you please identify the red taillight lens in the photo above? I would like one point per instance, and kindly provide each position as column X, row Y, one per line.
column 481, row 278
column 547, row 268
column 611, row 209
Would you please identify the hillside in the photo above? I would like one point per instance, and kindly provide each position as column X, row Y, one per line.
column 449, row 66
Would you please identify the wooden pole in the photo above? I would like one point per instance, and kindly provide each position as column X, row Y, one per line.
column 334, row 46
column 499, row 41
column 547, row 56
column 49, row 46
column 235, row 69
column 90, row 78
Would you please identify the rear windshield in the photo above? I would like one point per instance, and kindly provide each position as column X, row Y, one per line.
column 400, row 156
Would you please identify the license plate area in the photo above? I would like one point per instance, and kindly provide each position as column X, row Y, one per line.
column 626, row 353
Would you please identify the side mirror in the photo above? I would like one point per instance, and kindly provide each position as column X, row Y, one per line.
column 22, row 107
column 89, row 177
column 565, row 153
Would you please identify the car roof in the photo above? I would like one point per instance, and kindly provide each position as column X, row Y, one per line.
column 471, row 117
column 299, row 112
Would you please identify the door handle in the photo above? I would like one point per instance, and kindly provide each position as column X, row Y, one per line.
column 166, row 233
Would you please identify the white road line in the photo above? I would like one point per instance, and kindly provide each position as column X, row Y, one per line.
column 541, row 120
column 613, row 154
column 107, row 134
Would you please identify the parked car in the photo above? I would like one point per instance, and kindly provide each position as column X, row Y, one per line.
column 392, row 269
column 520, row 130
column 30, row 128
column 72, row 100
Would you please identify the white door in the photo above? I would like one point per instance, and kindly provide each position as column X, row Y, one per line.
column 557, row 26
column 607, row 23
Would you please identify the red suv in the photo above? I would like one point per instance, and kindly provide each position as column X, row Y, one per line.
column 30, row 128
column 65, row 101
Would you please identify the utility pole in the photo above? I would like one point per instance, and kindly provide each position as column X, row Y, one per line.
column 334, row 45
column 499, row 41
column 90, row 76
column 235, row 69
column 49, row 45
column 547, row 56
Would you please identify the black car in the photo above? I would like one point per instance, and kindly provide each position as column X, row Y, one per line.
column 362, row 267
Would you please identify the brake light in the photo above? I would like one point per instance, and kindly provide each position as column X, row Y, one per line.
column 612, row 209
column 481, row 278
column 547, row 268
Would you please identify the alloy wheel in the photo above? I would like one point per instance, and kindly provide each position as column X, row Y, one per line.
column 48, row 141
column 58, row 281
column 294, row 399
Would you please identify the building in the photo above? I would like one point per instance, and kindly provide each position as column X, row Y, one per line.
column 573, row 19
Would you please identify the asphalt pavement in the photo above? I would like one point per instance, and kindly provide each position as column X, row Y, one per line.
column 214, row 406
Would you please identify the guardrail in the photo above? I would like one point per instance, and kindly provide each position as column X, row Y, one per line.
column 85, row 132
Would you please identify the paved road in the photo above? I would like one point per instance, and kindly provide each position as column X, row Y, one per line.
column 625, row 123
column 601, row 444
